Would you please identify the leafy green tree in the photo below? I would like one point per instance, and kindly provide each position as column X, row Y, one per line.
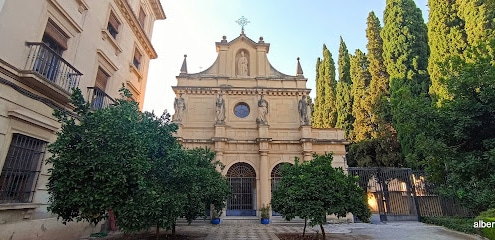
column 98, row 161
column 446, row 38
column 314, row 189
column 362, row 128
column 343, row 102
column 122, row 160
column 466, row 166
column 377, row 100
column 405, row 53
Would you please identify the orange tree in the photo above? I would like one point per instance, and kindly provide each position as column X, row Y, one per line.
column 314, row 189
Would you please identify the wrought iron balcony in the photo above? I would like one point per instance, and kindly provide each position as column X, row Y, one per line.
column 98, row 98
column 51, row 67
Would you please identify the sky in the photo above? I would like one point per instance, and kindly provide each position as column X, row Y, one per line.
column 292, row 28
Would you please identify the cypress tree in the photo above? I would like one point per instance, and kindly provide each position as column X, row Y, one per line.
column 343, row 91
column 405, row 53
column 327, row 72
column 378, row 94
column 479, row 19
column 446, row 38
column 317, row 119
column 360, row 81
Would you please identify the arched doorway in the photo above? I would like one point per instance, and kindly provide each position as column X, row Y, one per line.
column 242, row 178
column 275, row 179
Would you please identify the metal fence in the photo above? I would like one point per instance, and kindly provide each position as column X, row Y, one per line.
column 401, row 194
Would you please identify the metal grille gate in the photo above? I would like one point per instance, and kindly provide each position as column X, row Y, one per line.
column 242, row 178
column 390, row 192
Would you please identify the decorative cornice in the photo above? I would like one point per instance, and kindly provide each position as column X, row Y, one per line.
column 242, row 91
column 126, row 10
column 157, row 9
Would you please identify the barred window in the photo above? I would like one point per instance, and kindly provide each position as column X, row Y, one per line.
column 21, row 169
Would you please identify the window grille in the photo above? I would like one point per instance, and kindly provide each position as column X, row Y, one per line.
column 21, row 169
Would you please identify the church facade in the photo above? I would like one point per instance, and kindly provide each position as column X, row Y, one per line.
column 254, row 117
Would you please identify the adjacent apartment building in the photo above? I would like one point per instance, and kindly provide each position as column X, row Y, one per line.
column 48, row 47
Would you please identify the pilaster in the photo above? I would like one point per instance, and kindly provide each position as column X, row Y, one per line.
column 307, row 142
column 264, row 146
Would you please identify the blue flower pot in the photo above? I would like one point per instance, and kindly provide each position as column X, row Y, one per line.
column 265, row 221
column 215, row 221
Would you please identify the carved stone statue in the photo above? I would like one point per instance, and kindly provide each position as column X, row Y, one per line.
column 262, row 110
column 304, row 111
column 242, row 65
column 180, row 107
column 220, row 109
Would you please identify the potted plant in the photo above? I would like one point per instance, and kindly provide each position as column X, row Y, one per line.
column 215, row 215
column 265, row 214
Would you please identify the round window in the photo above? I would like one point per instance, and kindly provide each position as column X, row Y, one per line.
column 241, row 110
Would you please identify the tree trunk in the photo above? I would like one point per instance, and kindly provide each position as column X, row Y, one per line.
column 305, row 223
column 173, row 229
column 322, row 231
column 157, row 231
column 111, row 220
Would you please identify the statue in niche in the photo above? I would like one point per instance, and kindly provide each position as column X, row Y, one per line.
column 180, row 107
column 304, row 111
column 242, row 65
column 220, row 109
column 262, row 110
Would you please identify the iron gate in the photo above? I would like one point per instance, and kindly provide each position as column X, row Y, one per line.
column 242, row 178
column 390, row 192
column 275, row 180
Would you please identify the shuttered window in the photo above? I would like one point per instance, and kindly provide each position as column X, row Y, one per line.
column 101, row 79
column 54, row 32
column 113, row 25
column 137, row 59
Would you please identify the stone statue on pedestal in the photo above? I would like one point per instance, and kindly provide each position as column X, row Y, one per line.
column 220, row 109
column 180, row 107
column 262, row 111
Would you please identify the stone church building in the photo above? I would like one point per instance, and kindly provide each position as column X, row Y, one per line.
column 254, row 117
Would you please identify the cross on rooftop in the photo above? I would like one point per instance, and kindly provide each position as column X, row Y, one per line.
column 243, row 22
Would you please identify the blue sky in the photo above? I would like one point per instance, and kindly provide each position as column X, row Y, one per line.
column 293, row 29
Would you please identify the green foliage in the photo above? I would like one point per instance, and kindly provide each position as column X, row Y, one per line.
column 446, row 38
column 378, row 152
column 265, row 211
column 469, row 131
column 343, row 101
column 314, row 189
column 487, row 216
column 325, row 113
column 96, row 163
column 362, row 128
column 317, row 117
column 455, row 223
column 405, row 53
column 126, row 161
column 377, row 99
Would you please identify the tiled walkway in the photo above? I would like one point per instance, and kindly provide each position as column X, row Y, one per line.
column 389, row 231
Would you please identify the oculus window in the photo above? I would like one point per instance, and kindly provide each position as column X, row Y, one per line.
column 241, row 110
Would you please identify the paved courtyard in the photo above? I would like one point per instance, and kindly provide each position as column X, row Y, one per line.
column 388, row 231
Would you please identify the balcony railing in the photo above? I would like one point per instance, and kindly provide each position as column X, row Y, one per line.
column 52, row 67
column 98, row 98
